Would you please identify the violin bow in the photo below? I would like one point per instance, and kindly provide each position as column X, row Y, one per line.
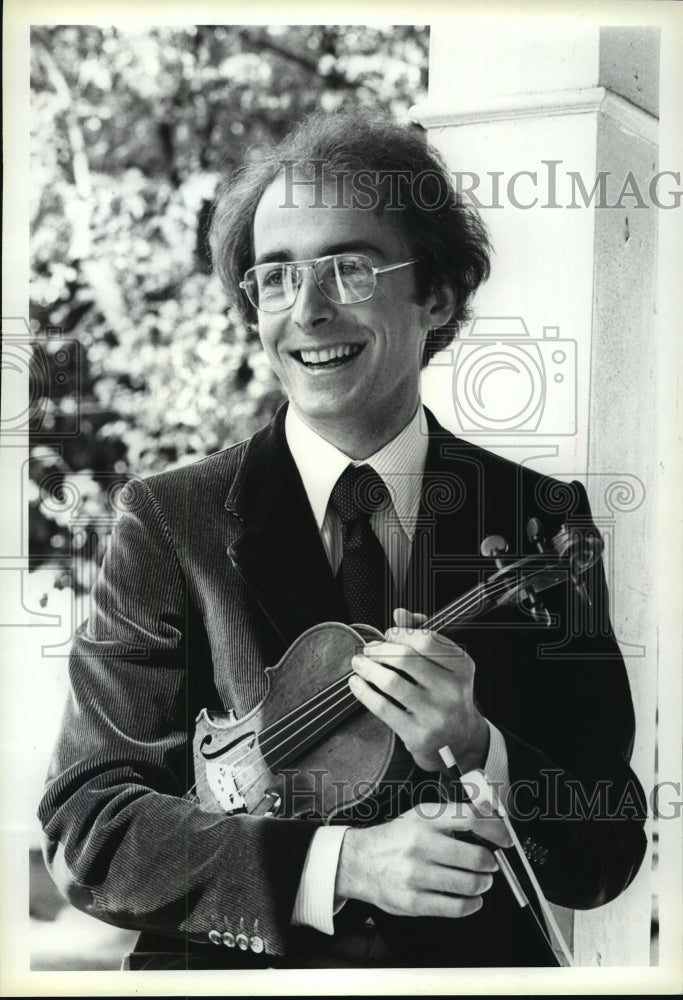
column 475, row 781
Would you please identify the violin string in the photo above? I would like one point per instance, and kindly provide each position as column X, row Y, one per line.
column 467, row 602
column 335, row 711
column 343, row 704
column 276, row 730
column 319, row 723
column 315, row 703
column 471, row 600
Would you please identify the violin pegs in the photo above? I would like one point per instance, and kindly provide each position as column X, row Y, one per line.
column 532, row 603
column 535, row 532
column 493, row 546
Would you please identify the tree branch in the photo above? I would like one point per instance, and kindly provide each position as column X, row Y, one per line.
column 263, row 42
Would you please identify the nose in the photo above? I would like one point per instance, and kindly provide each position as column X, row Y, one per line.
column 311, row 308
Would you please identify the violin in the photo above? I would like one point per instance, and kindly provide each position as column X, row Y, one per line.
column 310, row 749
column 297, row 753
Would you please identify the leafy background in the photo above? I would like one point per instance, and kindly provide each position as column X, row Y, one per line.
column 140, row 363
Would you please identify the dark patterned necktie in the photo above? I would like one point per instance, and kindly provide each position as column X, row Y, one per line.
column 364, row 573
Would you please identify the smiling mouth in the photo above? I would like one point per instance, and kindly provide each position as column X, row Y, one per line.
column 328, row 357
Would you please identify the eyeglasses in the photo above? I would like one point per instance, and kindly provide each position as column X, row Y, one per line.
column 344, row 278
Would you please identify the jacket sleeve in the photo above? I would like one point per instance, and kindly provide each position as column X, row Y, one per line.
column 120, row 839
column 578, row 807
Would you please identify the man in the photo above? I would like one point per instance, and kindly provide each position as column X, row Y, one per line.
column 351, row 271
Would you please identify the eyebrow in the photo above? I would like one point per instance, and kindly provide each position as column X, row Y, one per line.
column 350, row 246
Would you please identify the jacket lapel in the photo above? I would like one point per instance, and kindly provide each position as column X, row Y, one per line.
column 279, row 554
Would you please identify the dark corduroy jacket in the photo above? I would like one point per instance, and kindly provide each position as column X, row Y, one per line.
column 213, row 570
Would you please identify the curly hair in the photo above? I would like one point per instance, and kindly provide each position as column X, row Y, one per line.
column 407, row 178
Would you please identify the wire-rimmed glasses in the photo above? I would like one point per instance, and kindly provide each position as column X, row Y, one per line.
column 344, row 278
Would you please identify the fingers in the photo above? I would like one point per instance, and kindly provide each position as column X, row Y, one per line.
column 407, row 625
column 398, row 670
column 413, row 712
column 493, row 831
column 394, row 715
column 450, row 853
column 421, row 686
column 456, row 881
column 400, row 657
column 490, row 829
column 395, row 679
column 446, row 877
column 427, row 903
column 441, row 904
column 403, row 706
column 414, row 866
column 457, row 820
column 432, row 645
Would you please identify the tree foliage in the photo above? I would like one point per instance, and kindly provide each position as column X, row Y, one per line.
column 131, row 133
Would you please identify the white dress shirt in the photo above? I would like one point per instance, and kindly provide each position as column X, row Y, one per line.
column 401, row 464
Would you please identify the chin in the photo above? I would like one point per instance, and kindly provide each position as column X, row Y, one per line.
column 330, row 411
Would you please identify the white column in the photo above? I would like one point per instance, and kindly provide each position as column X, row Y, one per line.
column 559, row 369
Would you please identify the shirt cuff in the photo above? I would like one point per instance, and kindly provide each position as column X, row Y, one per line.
column 314, row 905
column 496, row 767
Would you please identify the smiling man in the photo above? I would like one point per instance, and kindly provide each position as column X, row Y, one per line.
column 351, row 374
column 351, row 506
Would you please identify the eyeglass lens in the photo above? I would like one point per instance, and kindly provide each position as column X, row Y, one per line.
column 343, row 278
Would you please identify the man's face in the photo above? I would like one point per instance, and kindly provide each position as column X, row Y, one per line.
column 371, row 392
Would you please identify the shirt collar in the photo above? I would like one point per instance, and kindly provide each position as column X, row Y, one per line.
column 400, row 463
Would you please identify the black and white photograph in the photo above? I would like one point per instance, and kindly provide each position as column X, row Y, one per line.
column 341, row 531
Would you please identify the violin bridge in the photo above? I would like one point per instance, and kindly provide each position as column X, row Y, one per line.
column 222, row 781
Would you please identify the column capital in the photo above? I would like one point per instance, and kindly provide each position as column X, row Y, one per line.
column 547, row 104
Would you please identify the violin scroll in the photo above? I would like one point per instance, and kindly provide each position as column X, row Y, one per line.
column 568, row 555
column 582, row 548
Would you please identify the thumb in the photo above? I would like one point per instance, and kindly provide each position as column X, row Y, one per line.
column 408, row 619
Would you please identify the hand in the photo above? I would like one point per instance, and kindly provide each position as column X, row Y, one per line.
column 415, row 865
column 421, row 685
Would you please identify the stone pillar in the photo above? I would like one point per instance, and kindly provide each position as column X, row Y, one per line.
column 553, row 133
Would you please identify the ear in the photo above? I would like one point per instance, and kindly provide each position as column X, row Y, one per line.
column 441, row 303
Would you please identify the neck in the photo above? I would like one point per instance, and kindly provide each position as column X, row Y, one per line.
column 356, row 441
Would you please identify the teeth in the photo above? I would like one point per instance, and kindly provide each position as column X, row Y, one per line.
column 329, row 353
